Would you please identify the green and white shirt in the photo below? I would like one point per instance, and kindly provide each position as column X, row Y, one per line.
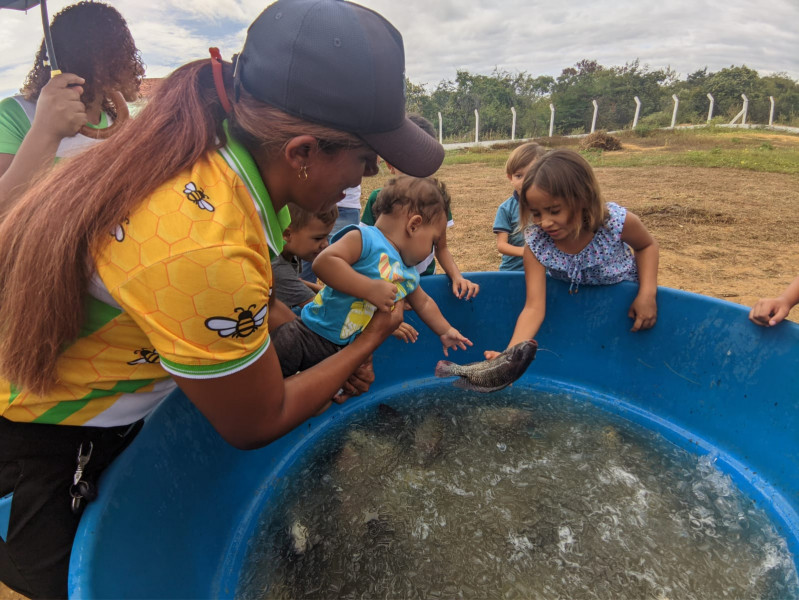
column 16, row 116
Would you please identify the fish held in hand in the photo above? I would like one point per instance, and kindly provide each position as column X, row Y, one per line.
column 491, row 375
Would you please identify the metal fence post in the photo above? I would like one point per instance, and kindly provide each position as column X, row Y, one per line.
column 551, row 118
column 593, row 121
column 476, row 126
column 710, row 110
column 440, row 129
column 637, row 111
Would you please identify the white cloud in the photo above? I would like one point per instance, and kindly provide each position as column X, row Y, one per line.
column 441, row 36
column 543, row 38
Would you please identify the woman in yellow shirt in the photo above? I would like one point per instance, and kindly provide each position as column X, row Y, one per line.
column 146, row 262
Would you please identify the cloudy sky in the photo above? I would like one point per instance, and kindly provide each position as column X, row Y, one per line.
column 441, row 36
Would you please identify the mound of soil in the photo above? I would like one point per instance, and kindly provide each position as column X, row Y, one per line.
column 600, row 140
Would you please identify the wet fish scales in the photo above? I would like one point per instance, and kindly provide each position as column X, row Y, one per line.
column 491, row 375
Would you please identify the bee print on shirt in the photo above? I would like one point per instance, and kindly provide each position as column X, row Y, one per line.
column 197, row 195
column 119, row 231
column 146, row 355
column 246, row 323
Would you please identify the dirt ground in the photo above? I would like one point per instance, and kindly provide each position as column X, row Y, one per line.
column 727, row 233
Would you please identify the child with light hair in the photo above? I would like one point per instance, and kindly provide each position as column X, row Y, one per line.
column 510, row 239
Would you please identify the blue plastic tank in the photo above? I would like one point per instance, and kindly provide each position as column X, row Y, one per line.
column 176, row 510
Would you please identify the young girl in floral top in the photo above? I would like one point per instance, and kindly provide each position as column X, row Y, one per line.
column 572, row 235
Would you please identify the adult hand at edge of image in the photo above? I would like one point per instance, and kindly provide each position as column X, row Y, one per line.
column 59, row 110
column 767, row 312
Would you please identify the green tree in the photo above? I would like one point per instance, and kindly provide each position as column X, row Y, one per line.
column 614, row 89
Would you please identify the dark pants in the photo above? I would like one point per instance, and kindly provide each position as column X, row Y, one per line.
column 37, row 464
column 298, row 348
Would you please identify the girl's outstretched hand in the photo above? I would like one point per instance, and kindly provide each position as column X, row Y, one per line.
column 464, row 289
column 644, row 311
column 452, row 338
column 767, row 312
column 406, row 333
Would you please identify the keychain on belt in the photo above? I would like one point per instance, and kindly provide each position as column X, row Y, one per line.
column 80, row 488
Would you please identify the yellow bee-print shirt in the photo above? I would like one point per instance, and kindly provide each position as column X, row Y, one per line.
column 182, row 287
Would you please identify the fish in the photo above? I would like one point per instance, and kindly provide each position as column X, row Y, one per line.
column 428, row 438
column 491, row 375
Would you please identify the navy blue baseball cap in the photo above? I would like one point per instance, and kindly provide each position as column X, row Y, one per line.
column 338, row 64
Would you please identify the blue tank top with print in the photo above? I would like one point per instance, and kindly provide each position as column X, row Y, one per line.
column 339, row 317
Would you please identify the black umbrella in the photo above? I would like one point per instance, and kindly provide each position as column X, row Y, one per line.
column 48, row 39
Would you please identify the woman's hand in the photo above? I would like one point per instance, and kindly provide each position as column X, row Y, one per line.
column 383, row 324
column 358, row 383
column 644, row 311
column 452, row 338
column 491, row 354
column 463, row 288
column 59, row 111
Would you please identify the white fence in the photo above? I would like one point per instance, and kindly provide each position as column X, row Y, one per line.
column 740, row 116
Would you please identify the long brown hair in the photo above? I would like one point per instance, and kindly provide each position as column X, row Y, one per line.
column 49, row 238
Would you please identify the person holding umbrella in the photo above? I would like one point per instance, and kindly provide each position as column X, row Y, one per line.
column 59, row 114
column 146, row 263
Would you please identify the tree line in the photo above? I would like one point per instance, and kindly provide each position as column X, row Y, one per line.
column 612, row 87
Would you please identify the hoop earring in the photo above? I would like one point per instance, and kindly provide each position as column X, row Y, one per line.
column 303, row 174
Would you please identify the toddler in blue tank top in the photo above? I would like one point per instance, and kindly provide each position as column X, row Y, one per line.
column 368, row 269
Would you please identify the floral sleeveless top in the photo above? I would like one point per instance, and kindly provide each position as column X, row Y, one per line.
column 604, row 261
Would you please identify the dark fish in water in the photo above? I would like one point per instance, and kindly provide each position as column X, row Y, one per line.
column 428, row 438
column 491, row 375
column 389, row 420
